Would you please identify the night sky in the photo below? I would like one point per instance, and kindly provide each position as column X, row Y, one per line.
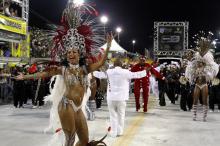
column 136, row 17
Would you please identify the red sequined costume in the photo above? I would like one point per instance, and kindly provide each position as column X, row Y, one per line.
column 143, row 83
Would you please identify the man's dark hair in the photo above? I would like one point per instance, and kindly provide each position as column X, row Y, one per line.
column 117, row 62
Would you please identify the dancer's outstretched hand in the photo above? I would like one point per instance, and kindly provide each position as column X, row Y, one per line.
column 109, row 39
column 19, row 77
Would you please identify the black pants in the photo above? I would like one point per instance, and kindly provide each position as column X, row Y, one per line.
column 214, row 97
column 190, row 96
column 28, row 94
column 162, row 101
column 162, row 87
column 41, row 94
column 99, row 97
column 18, row 90
column 185, row 94
column 171, row 92
column 18, row 97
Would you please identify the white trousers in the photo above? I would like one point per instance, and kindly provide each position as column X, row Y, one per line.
column 154, row 86
column 117, row 116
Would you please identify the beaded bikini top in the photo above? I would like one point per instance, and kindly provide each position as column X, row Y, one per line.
column 74, row 75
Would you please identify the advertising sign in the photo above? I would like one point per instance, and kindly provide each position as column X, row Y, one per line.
column 13, row 25
column 171, row 38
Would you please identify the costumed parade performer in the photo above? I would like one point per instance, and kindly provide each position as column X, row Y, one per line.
column 201, row 71
column 144, row 82
column 118, row 93
column 74, row 40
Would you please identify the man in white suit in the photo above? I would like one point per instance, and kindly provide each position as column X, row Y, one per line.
column 117, row 93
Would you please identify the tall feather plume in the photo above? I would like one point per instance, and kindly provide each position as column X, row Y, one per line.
column 204, row 42
column 81, row 18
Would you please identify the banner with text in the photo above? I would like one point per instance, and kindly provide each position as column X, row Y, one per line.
column 13, row 25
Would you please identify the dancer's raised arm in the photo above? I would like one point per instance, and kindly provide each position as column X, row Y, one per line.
column 97, row 65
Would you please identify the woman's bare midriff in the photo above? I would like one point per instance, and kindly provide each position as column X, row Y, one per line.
column 201, row 80
column 66, row 112
column 75, row 93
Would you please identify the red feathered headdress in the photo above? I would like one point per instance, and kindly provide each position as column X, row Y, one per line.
column 78, row 31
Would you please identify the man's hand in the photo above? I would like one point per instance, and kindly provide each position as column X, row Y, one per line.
column 165, row 80
column 148, row 68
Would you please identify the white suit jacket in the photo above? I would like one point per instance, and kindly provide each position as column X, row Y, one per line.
column 118, row 82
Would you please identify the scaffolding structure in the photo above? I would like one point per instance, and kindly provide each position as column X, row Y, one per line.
column 14, row 29
column 25, row 11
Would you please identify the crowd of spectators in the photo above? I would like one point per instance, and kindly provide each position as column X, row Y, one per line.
column 20, row 91
column 10, row 8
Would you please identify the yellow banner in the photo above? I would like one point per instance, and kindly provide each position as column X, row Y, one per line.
column 21, row 49
column 13, row 25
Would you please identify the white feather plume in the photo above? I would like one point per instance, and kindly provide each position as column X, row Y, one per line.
column 55, row 97
column 211, row 67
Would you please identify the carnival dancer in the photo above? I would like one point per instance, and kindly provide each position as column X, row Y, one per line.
column 75, row 40
column 202, row 70
column 117, row 93
column 143, row 83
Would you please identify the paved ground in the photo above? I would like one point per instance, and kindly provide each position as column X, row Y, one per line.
column 161, row 126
